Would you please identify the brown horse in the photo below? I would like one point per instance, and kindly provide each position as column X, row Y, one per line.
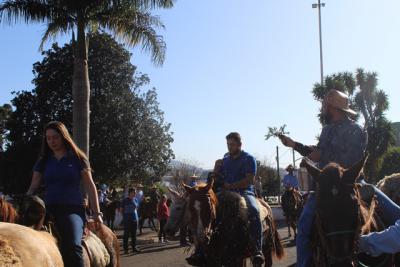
column 101, row 246
column 292, row 205
column 148, row 211
column 219, row 225
column 341, row 217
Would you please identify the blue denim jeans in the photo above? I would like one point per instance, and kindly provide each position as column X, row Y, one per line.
column 69, row 221
column 304, row 227
column 254, row 220
column 130, row 229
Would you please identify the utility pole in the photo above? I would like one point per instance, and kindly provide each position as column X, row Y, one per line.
column 277, row 172
column 294, row 159
column 319, row 5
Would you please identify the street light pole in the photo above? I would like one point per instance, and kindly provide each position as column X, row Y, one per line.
column 319, row 5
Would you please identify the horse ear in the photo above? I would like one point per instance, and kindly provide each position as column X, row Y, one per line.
column 351, row 174
column 311, row 168
column 173, row 192
column 210, row 183
column 187, row 188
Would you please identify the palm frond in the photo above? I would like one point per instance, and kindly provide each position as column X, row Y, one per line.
column 154, row 3
column 29, row 11
column 134, row 27
column 61, row 25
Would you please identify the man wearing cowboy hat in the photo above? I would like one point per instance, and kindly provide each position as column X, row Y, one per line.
column 290, row 180
column 342, row 141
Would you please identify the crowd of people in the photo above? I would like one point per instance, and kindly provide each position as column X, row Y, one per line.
column 63, row 167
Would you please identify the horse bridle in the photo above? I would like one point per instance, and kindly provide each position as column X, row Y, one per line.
column 352, row 256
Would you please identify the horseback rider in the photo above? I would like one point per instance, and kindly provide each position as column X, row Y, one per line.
column 62, row 166
column 342, row 141
column 290, row 180
column 238, row 169
column 290, row 183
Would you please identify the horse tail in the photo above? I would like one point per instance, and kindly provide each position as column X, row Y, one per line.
column 277, row 247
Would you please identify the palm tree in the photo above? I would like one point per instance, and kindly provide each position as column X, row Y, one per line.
column 130, row 21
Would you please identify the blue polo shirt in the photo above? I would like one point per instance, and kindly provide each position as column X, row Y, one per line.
column 235, row 170
column 129, row 207
column 290, row 181
column 62, row 179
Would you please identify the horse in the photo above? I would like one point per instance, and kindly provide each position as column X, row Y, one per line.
column 23, row 246
column 292, row 206
column 100, row 245
column 218, row 222
column 148, row 210
column 109, row 213
column 341, row 217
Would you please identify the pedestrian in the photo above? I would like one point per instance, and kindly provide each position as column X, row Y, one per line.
column 163, row 215
column 130, row 220
column 258, row 187
column 63, row 167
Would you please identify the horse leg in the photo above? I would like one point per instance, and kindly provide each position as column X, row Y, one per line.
column 288, row 225
column 294, row 226
column 141, row 225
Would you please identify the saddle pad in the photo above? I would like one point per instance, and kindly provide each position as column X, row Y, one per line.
column 98, row 254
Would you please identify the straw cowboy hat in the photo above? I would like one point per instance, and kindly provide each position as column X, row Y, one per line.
column 338, row 100
column 290, row 168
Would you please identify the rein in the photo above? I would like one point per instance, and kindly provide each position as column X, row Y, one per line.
column 352, row 257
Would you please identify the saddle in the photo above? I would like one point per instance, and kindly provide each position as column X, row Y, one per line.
column 35, row 217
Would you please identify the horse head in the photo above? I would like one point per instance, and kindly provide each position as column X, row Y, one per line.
column 337, row 210
column 202, row 203
column 179, row 212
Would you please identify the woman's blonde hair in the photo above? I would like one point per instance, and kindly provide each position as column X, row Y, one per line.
column 60, row 128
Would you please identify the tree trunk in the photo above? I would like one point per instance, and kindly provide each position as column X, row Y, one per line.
column 81, row 90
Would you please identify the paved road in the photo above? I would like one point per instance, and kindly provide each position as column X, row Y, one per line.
column 171, row 255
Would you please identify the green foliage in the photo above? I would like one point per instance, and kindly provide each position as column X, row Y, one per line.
column 275, row 132
column 129, row 137
column 130, row 21
column 5, row 112
column 371, row 102
column 390, row 162
column 269, row 178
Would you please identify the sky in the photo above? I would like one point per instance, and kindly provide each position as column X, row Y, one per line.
column 234, row 65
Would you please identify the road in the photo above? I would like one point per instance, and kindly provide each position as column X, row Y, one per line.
column 171, row 255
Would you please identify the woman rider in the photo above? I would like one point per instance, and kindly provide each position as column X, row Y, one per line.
column 63, row 166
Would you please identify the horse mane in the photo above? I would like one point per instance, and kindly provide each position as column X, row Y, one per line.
column 7, row 212
column 213, row 196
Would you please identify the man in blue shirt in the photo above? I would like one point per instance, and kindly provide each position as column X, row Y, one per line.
column 130, row 218
column 341, row 141
column 290, row 180
column 238, row 169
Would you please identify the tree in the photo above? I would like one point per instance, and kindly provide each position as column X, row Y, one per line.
column 390, row 162
column 129, row 137
column 269, row 179
column 130, row 21
column 5, row 112
column 181, row 170
column 372, row 103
